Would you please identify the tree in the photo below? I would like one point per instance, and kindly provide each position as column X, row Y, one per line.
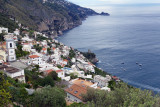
column 77, row 105
column 54, row 75
column 47, row 81
column 49, row 51
column 121, row 96
column 111, row 84
column 1, row 37
column 19, row 95
column 49, row 97
column 37, row 47
column 20, row 52
column 4, row 90
column 73, row 76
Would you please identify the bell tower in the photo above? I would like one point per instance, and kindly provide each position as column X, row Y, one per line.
column 10, row 45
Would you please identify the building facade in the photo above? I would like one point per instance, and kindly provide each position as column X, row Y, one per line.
column 102, row 81
column 10, row 45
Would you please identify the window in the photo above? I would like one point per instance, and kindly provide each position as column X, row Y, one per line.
column 68, row 96
column 75, row 100
column 11, row 51
column 11, row 45
column 82, row 82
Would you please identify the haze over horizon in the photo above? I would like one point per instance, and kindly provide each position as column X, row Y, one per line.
column 107, row 5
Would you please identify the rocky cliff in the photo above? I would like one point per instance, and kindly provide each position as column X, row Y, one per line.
column 49, row 16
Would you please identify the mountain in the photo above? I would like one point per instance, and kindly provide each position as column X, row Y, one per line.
column 49, row 16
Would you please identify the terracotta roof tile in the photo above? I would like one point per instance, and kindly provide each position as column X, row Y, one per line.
column 81, row 82
column 53, row 48
column 57, row 71
column 48, row 71
column 34, row 56
column 44, row 49
column 76, row 91
column 65, row 60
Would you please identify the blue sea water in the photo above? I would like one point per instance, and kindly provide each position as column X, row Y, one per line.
column 130, row 35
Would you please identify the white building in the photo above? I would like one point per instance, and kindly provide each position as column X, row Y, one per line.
column 102, row 81
column 61, row 74
column 3, row 30
column 13, row 72
column 27, row 39
column 35, row 59
column 10, row 45
column 17, row 32
column 26, row 47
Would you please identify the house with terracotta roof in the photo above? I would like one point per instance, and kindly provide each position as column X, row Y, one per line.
column 35, row 59
column 44, row 50
column 61, row 73
column 74, row 93
column 49, row 71
column 78, row 88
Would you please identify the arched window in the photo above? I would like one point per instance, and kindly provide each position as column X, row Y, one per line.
column 11, row 45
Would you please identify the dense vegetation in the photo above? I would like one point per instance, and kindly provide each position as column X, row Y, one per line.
column 20, row 52
column 37, row 47
column 7, row 23
column 4, row 90
column 34, row 78
column 121, row 96
column 2, row 37
column 89, row 55
column 49, row 97
column 58, row 16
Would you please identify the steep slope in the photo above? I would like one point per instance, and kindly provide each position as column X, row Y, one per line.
column 52, row 17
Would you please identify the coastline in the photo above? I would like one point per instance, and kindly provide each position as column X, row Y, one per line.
column 130, row 83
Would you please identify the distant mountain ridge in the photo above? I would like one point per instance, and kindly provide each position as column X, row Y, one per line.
column 50, row 16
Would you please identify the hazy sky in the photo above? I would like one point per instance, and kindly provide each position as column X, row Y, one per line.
column 90, row 2
column 107, row 5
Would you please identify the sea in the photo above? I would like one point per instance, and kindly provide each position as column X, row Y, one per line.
column 127, row 43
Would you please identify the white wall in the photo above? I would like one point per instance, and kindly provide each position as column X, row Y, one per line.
column 61, row 74
column 73, row 98
column 17, row 74
column 3, row 29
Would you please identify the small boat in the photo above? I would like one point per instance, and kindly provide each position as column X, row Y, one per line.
column 122, row 63
column 136, row 62
column 140, row 64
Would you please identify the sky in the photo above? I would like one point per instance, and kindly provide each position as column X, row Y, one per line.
column 90, row 2
column 107, row 5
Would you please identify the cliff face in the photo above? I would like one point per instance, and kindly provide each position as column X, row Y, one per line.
column 52, row 17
